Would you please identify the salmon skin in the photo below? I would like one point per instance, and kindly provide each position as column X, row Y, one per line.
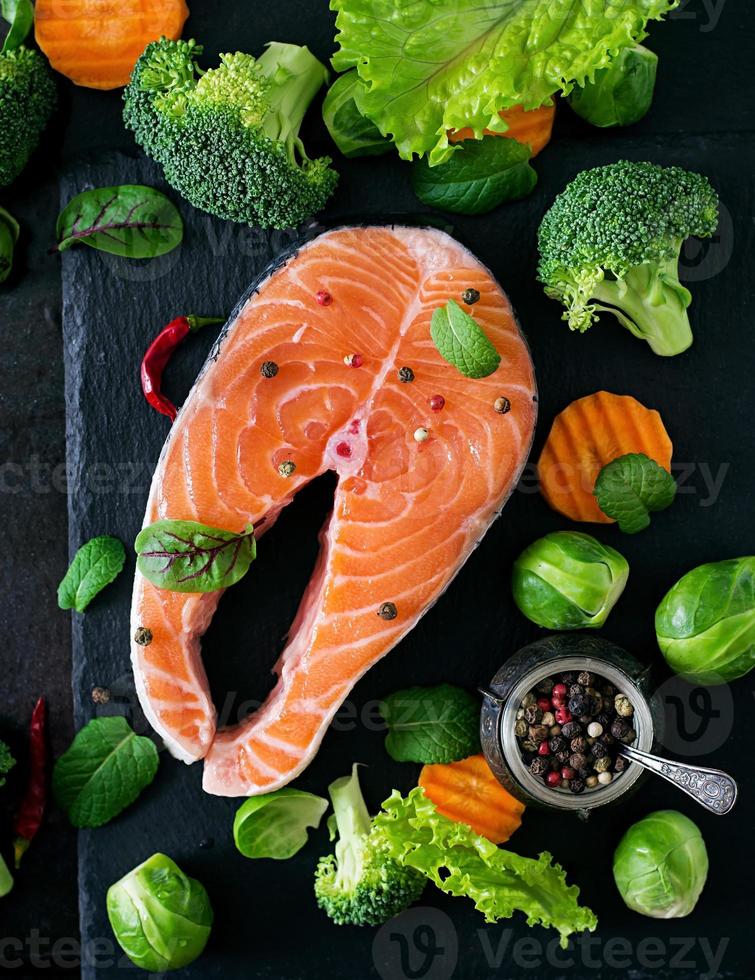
column 408, row 510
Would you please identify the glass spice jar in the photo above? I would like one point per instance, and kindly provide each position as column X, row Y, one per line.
column 522, row 673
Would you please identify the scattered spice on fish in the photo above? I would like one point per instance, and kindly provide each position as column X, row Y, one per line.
column 353, row 360
column 437, row 402
column 287, row 467
column 143, row 636
column 421, row 434
column 502, row 405
column 269, row 369
column 470, row 296
column 405, row 375
column 323, row 297
column 388, row 611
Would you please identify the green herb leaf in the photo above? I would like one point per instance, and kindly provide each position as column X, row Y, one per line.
column 105, row 769
column 629, row 488
column 9, row 231
column 7, row 762
column 185, row 556
column 431, row 724
column 94, row 566
column 20, row 16
column 477, row 178
column 352, row 132
column 275, row 825
column 462, row 342
column 133, row 221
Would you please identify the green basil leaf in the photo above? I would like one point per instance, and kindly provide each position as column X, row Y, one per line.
column 463, row 343
column 352, row 132
column 94, row 566
column 275, row 825
column 629, row 488
column 133, row 221
column 431, row 724
column 20, row 16
column 105, row 769
column 477, row 178
column 185, row 556
column 9, row 231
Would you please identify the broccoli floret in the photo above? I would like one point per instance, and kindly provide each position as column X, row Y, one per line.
column 7, row 762
column 611, row 241
column 27, row 100
column 360, row 884
column 228, row 139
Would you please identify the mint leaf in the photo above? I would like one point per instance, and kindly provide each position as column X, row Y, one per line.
column 463, row 343
column 185, row 556
column 94, row 566
column 105, row 769
column 431, row 724
column 629, row 488
column 477, row 178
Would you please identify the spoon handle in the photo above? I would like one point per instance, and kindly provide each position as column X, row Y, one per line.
column 711, row 788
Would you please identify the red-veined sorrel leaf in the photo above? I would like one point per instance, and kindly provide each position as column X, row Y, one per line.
column 184, row 556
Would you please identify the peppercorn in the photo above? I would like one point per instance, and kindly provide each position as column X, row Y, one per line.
column 578, row 744
column 558, row 743
column 538, row 767
column 571, row 729
column 620, row 763
column 619, row 727
column 623, row 706
column 603, row 719
column 575, row 689
column 569, row 677
column 603, row 764
column 143, row 636
column 532, row 714
column 607, row 739
column 543, row 749
column 470, row 296
column 609, row 691
column 553, row 779
column 544, row 703
column 544, row 686
column 604, row 778
column 576, row 785
column 594, row 729
column 548, row 719
column 585, row 678
column 578, row 705
column 591, row 782
column 567, row 772
column 529, row 746
column 598, row 750
column 585, row 772
column 559, row 691
column 519, row 713
column 630, row 736
column 520, row 728
column 577, row 760
column 538, row 732
column 563, row 756
column 388, row 610
column 287, row 467
column 502, row 405
column 553, row 762
column 405, row 375
column 563, row 715
column 269, row 369
column 100, row 695
column 528, row 699
column 555, row 730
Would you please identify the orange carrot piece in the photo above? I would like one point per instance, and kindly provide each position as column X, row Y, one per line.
column 468, row 792
column 585, row 437
column 533, row 126
column 96, row 43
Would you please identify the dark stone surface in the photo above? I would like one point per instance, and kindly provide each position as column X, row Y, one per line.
column 267, row 926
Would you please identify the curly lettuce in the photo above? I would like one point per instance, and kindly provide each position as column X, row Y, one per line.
column 460, row 862
column 436, row 65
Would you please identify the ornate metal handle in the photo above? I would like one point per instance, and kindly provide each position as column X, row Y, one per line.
column 713, row 789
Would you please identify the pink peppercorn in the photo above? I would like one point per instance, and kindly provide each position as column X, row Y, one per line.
column 559, row 691
column 543, row 748
column 343, row 449
column 563, row 715
column 544, row 704
column 353, row 360
column 568, row 773
column 553, row 779
column 437, row 402
column 323, row 297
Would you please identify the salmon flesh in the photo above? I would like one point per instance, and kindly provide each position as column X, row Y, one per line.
column 418, row 485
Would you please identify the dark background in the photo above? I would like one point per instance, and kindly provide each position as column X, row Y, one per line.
column 703, row 118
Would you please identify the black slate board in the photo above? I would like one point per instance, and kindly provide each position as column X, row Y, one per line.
column 267, row 925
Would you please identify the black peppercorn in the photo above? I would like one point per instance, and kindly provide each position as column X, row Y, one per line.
column 607, row 740
column 538, row 766
column 470, row 296
column 553, row 763
column 388, row 611
column 576, row 785
column 578, row 744
column 620, row 764
column 630, row 736
column 585, row 678
column 538, row 733
column 568, row 678
column 563, row 756
column 545, row 687
column 269, row 369
column 577, row 760
column 603, row 720
column 578, row 705
column 532, row 714
column 405, row 375
column 143, row 636
column 570, row 729
column 619, row 727
column 575, row 689
column 599, row 750
column 557, row 744
column 529, row 746
column 585, row 772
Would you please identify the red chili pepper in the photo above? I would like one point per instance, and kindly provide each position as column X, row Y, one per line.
column 160, row 352
column 32, row 807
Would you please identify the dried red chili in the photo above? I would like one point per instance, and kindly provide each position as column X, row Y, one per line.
column 159, row 354
column 32, row 808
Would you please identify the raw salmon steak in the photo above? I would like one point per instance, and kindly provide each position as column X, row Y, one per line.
column 418, row 484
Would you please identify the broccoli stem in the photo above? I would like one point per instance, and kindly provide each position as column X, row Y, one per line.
column 652, row 304
column 353, row 822
column 296, row 77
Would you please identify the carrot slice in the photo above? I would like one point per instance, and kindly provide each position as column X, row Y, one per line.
column 586, row 436
column 96, row 43
column 468, row 792
column 533, row 126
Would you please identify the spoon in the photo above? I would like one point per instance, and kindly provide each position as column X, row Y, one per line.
column 711, row 788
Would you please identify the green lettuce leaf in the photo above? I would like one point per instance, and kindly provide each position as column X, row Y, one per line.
column 435, row 65
column 461, row 862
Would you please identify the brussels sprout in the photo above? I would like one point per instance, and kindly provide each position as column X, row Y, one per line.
column 660, row 865
column 354, row 134
column 159, row 915
column 705, row 625
column 274, row 825
column 620, row 94
column 568, row 580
